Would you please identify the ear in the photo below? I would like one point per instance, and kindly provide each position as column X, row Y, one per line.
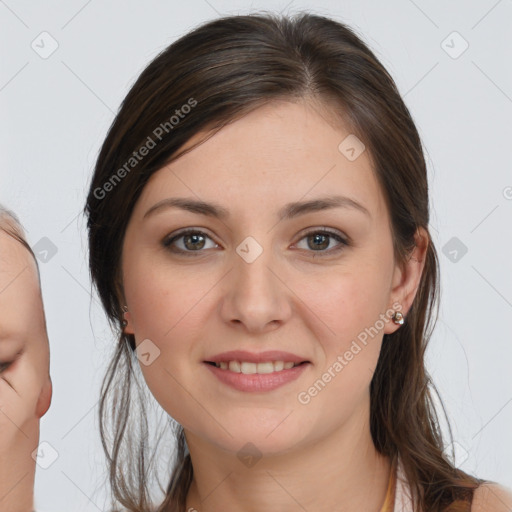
column 45, row 398
column 407, row 277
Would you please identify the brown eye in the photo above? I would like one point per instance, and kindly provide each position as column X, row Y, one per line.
column 320, row 240
column 192, row 241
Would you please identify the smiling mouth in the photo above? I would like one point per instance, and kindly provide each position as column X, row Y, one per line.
column 249, row 368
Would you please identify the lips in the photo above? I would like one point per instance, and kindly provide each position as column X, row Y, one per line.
column 260, row 357
column 248, row 380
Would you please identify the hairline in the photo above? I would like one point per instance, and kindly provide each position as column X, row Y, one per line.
column 11, row 225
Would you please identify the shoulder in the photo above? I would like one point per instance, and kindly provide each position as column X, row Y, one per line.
column 492, row 497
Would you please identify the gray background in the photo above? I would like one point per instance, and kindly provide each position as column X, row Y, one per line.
column 55, row 113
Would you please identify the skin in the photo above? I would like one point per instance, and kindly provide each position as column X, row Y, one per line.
column 25, row 386
column 198, row 306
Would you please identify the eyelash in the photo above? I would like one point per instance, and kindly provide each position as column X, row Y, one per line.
column 324, row 231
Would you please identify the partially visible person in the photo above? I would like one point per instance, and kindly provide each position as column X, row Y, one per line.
column 25, row 383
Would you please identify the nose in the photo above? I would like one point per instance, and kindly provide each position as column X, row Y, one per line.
column 256, row 295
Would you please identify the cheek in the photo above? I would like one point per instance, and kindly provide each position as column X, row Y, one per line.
column 172, row 379
column 169, row 307
column 345, row 303
column 9, row 414
column 17, row 403
column 161, row 297
column 349, row 305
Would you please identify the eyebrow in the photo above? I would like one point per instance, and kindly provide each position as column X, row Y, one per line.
column 288, row 211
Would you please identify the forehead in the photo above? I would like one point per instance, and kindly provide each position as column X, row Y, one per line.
column 21, row 307
column 280, row 152
column 15, row 261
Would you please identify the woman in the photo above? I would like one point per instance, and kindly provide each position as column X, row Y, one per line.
column 25, row 384
column 258, row 229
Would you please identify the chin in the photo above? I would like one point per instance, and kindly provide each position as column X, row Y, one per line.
column 253, row 439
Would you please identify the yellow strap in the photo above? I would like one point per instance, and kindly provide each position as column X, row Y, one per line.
column 389, row 501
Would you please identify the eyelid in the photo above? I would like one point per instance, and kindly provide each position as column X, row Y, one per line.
column 5, row 365
column 324, row 229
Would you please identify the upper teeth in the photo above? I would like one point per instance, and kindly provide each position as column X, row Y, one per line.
column 249, row 368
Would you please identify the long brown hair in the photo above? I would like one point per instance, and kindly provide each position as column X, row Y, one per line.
column 220, row 71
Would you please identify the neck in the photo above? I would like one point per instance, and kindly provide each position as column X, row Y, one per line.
column 17, row 472
column 340, row 471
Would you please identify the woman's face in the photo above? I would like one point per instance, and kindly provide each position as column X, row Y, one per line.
column 25, row 385
column 264, row 276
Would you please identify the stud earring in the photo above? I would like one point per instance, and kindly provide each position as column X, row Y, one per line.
column 398, row 318
column 125, row 322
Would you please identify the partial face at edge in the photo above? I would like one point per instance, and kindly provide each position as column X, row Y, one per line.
column 307, row 293
column 25, row 386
